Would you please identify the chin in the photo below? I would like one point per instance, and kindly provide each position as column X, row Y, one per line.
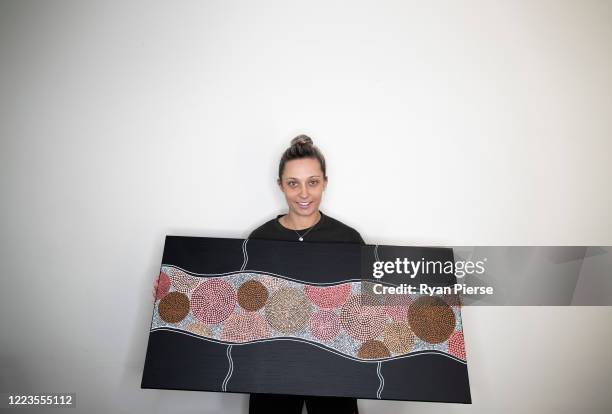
column 310, row 211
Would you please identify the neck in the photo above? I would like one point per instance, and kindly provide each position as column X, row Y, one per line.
column 297, row 222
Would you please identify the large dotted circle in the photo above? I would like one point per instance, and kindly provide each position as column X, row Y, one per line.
column 252, row 295
column 173, row 307
column 244, row 327
column 399, row 338
column 362, row 322
column 324, row 325
column 431, row 319
column 288, row 310
column 329, row 296
column 213, row 301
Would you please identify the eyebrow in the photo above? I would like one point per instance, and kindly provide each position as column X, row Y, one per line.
column 312, row 176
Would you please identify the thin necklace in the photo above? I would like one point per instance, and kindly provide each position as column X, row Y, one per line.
column 301, row 236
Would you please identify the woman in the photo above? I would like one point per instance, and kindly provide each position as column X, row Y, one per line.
column 302, row 178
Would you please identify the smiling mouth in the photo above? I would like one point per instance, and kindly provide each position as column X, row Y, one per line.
column 304, row 204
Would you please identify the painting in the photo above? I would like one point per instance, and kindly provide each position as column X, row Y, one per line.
column 262, row 316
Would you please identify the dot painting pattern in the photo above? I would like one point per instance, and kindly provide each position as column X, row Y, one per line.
column 431, row 319
column 399, row 338
column 199, row 329
column 288, row 310
column 243, row 327
column 362, row 322
column 252, row 295
column 272, row 283
column 324, row 325
column 163, row 286
column 213, row 301
column 396, row 306
column 245, row 307
column 173, row 307
column 181, row 281
column 456, row 345
column 373, row 349
column 329, row 296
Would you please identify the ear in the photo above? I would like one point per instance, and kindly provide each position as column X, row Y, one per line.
column 280, row 184
column 325, row 183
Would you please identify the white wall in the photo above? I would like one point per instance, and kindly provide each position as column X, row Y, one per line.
column 444, row 123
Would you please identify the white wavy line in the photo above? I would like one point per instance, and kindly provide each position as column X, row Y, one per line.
column 245, row 254
column 376, row 253
column 211, row 275
column 230, row 368
column 381, row 378
column 333, row 351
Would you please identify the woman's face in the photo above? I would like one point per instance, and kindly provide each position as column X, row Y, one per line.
column 303, row 184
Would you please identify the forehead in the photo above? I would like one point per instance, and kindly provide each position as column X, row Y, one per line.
column 302, row 168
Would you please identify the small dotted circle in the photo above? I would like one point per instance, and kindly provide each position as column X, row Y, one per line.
column 173, row 307
column 373, row 349
column 252, row 295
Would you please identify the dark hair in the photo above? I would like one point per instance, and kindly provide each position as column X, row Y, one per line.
column 301, row 147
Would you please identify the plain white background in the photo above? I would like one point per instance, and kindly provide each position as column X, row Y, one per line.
column 443, row 123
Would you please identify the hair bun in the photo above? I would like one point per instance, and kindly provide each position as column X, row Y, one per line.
column 301, row 140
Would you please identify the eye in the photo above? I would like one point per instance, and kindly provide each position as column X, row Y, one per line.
column 314, row 182
column 291, row 183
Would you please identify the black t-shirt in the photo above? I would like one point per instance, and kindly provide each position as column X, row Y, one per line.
column 328, row 229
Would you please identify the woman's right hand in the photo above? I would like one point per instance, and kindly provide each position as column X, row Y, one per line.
column 155, row 285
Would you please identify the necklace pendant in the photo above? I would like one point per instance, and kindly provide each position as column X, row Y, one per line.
column 301, row 239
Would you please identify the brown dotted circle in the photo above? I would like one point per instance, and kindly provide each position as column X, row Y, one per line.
column 252, row 295
column 288, row 310
column 399, row 338
column 373, row 349
column 173, row 307
column 431, row 319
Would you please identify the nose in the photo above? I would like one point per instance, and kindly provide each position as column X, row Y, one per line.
column 304, row 191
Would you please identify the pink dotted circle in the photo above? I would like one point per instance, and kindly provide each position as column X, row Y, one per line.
column 328, row 297
column 163, row 286
column 324, row 325
column 456, row 345
column 213, row 301
column 244, row 326
column 362, row 322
